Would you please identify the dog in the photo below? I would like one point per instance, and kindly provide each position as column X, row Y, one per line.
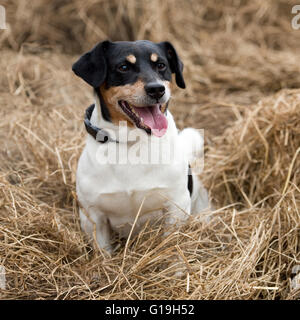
column 132, row 85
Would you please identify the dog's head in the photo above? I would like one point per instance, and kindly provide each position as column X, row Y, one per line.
column 133, row 80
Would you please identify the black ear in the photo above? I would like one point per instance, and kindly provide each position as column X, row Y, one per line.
column 91, row 67
column 175, row 63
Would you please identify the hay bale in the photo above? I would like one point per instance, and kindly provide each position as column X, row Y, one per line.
column 257, row 159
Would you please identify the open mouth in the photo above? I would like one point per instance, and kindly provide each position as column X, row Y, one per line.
column 150, row 118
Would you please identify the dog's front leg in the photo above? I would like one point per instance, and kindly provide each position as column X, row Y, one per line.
column 96, row 225
column 178, row 210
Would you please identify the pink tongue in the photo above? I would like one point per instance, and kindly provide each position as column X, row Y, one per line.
column 154, row 119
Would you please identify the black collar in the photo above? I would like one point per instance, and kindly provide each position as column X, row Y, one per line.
column 98, row 134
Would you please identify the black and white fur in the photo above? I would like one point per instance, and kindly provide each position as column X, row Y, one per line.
column 111, row 195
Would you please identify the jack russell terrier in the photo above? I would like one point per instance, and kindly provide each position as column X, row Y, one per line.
column 132, row 88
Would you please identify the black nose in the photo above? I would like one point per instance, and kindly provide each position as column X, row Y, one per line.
column 155, row 90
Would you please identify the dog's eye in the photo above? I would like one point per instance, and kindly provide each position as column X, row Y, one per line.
column 124, row 67
column 161, row 66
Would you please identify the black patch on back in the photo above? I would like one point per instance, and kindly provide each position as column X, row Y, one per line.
column 190, row 181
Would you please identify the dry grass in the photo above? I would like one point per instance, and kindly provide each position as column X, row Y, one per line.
column 235, row 54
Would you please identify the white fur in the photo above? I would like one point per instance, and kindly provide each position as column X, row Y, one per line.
column 111, row 194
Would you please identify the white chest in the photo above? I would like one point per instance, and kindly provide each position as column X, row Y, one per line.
column 120, row 180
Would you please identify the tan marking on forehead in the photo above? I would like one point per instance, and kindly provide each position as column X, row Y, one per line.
column 154, row 57
column 131, row 58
